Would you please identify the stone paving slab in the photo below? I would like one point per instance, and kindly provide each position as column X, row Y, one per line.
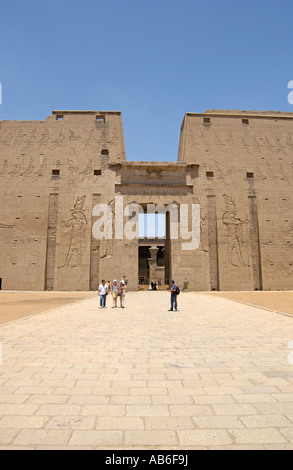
column 214, row 375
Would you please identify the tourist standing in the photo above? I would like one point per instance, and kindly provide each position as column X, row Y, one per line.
column 173, row 290
column 121, row 294
column 115, row 289
column 103, row 289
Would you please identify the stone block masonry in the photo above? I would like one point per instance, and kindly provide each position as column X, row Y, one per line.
column 237, row 166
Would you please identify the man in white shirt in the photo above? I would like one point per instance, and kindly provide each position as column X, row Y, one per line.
column 103, row 288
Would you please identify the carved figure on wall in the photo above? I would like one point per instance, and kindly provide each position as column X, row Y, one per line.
column 258, row 174
column 270, row 172
column 16, row 171
column 73, row 169
column 290, row 230
column 90, row 139
column 72, row 136
column 73, row 141
column 256, row 145
column 203, row 225
column 284, row 172
column 4, row 170
column 77, row 225
column 230, row 203
column 107, row 244
column 30, row 169
column 80, row 200
column 60, row 139
column 44, row 139
column 219, row 171
column 19, row 138
column 290, row 141
column 268, row 145
column 279, row 146
column 7, row 140
column 42, row 169
column 31, row 138
column 235, row 238
column 87, row 171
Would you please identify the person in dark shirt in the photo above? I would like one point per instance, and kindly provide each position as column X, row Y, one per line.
column 173, row 290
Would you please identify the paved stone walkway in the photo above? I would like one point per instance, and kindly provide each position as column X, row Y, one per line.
column 215, row 375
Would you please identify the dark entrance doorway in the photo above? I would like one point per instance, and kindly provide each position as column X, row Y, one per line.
column 154, row 250
column 151, row 269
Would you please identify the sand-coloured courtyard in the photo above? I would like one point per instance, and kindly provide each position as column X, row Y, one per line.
column 217, row 374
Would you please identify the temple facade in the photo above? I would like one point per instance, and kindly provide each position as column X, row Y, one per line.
column 234, row 174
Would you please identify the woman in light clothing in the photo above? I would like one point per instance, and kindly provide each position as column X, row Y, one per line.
column 115, row 290
column 122, row 293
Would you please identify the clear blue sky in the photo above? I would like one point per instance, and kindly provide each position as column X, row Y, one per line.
column 154, row 60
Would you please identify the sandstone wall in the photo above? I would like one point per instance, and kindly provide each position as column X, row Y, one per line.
column 52, row 173
column 246, row 193
column 238, row 166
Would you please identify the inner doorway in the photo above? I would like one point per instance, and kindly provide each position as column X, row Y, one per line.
column 151, row 269
column 153, row 251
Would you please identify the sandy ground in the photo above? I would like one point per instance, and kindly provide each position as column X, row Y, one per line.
column 276, row 300
column 16, row 305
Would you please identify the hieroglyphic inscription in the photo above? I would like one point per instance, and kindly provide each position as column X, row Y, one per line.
column 51, row 241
